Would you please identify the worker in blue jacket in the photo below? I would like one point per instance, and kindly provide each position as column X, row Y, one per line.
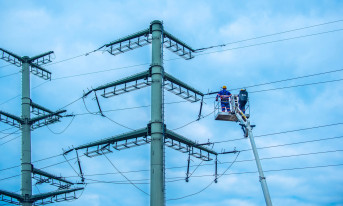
column 225, row 99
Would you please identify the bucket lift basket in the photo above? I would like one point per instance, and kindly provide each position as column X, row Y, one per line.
column 234, row 107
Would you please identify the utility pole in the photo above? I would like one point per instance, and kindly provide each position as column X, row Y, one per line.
column 26, row 180
column 157, row 147
column 26, row 124
column 158, row 79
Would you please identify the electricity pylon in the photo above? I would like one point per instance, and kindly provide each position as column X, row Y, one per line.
column 26, row 124
column 158, row 79
column 239, row 116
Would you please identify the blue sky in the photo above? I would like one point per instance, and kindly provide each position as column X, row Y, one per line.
column 73, row 28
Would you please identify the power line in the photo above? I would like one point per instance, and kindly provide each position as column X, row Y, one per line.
column 117, row 123
column 97, row 113
column 193, row 121
column 271, row 170
column 299, row 85
column 124, row 175
column 229, row 162
column 221, row 45
column 289, row 79
column 101, row 71
column 267, row 35
column 203, row 189
column 293, row 143
column 197, row 55
column 8, row 75
column 262, row 135
column 178, row 167
column 15, row 132
column 283, row 132
column 71, row 121
column 10, row 140
column 5, row 65
column 6, row 178
column 270, row 42
column 2, row 131
column 71, row 58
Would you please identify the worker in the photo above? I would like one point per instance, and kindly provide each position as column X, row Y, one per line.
column 224, row 98
column 242, row 99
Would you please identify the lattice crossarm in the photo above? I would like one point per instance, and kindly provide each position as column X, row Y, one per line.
column 10, row 57
column 42, row 58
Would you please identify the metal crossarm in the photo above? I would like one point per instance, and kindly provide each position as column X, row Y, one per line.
column 54, row 195
column 43, row 120
column 40, row 71
column 42, row 58
column 34, row 62
column 8, row 197
column 10, row 119
column 185, row 145
column 104, row 144
column 50, row 179
column 11, row 57
column 124, row 85
column 177, row 46
column 181, row 89
column 33, row 120
column 130, row 42
column 38, row 109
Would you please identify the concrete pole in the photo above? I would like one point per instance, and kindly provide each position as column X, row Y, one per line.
column 157, row 163
column 259, row 166
column 26, row 181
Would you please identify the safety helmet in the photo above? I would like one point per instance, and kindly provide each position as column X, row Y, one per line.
column 224, row 87
column 243, row 89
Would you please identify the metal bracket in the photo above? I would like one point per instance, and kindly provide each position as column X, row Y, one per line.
column 129, row 43
column 11, row 119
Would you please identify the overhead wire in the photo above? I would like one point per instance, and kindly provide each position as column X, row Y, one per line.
column 227, row 162
column 196, row 120
column 283, row 80
column 2, row 131
column 10, row 140
column 267, row 35
column 98, row 113
column 299, row 85
column 7, row 135
column 71, row 121
column 117, row 123
column 233, row 173
column 203, row 189
column 8, row 75
column 261, row 135
column 294, row 143
column 208, row 164
column 269, row 42
column 124, row 175
column 178, row 167
column 283, row 132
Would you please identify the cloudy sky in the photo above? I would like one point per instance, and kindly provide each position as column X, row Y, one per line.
column 298, row 121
